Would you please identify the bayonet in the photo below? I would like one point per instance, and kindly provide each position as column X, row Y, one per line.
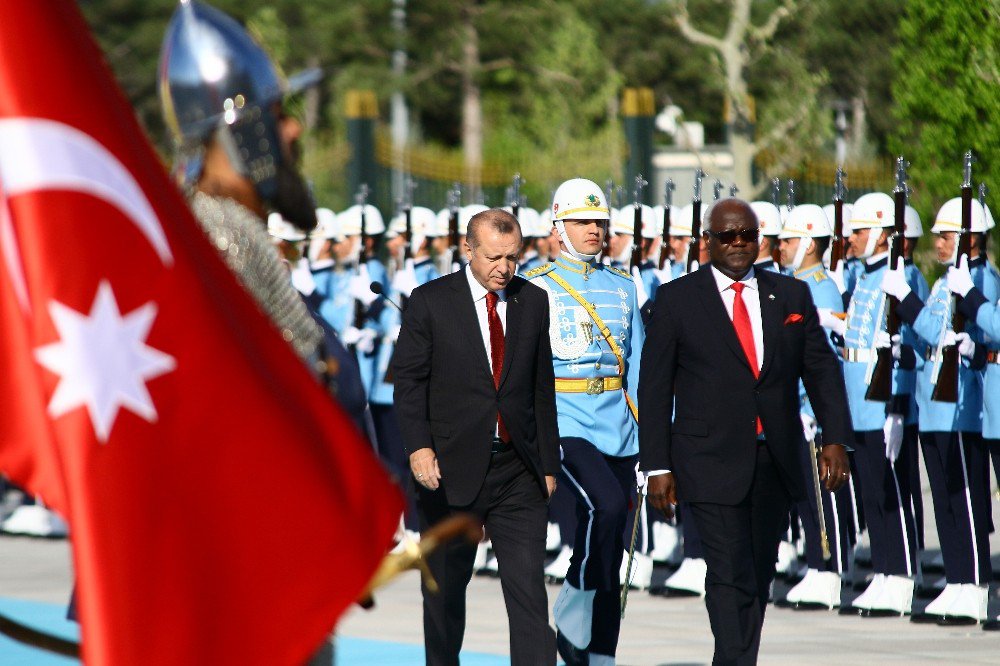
column 776, row 191
column 668, row 199
column 717, row 190
column 837, row 249
column 693, row 246
column 640, row 184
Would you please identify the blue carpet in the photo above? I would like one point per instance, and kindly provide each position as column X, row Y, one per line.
column 51, row 618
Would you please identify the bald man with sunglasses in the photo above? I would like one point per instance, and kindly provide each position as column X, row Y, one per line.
column 720, row 429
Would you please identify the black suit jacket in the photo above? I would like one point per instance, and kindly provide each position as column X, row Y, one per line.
column 694, row 368
column 444, row 393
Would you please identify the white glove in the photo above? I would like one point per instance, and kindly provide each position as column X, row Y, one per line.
column 882, row 340
column 809, row 426
column 363, row 339
column 405, row 280
column 838, row 277
column 959, row 277
column 894, row 281
column 640, row 289
column 360, row 287
column 831, row 322
column 455, row 267
column 393, row 334
column 966, row 347
column 694, row 266
column 351, row 335
column 302, row 279
column 664, row 275
column 893, row 431
column 640, row 480
column 897, row 347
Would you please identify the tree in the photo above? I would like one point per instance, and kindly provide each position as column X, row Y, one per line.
column 947, row 94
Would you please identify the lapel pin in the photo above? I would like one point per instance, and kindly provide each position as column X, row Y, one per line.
column 771, row 296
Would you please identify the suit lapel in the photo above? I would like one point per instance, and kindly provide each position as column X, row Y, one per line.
column 770, row 315
column 718, row 317
column 465, row 310
column 512, row 327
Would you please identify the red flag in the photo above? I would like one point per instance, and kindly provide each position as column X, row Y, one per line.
column 222, row 508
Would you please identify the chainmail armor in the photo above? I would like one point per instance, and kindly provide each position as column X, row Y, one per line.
column 240, row 236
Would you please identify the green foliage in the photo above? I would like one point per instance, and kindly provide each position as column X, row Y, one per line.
column 947, row 96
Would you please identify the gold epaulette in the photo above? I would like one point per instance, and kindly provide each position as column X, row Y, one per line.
column 540, row 270
column 819, row 276
column 624, row 274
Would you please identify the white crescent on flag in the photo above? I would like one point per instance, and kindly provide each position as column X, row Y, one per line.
column 40, row 154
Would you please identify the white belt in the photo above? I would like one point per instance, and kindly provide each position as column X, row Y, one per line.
column 859, row 355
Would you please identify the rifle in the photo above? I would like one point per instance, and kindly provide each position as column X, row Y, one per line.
column 717, row 190
column 733, row 190
column 880, row 386
column 408, row 211
column 837, row 249
column 776, row 192
column 640, row 183
column 946, row 386
column 790, row 204
column 515, row 194
column 668, row 197
column 361, row 199
column 695, row 220
column 454, row 201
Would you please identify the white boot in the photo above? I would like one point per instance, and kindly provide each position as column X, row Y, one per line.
column 642, row 571
column 491, row 568
column 938, row 608
column 553, row 538
column 556, row 571
column 968, row 606
column 817, row 589
column 896, row 597
column 666, row 544
column 482, row 551
column 35, row 520
column 787, row 559
column 689, row 577
column 865, row 600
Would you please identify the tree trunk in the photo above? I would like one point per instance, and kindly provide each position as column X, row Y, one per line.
column 472, row 109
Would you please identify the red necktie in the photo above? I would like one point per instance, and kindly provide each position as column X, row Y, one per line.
column 496, row 352
column 741, row 322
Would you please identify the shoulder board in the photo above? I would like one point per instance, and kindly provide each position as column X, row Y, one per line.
column 624, row 274
column 540, row 270
column 819, row 276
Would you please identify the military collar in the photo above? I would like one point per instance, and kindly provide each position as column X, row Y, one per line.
column 646, row 265
column 321, row 265
column 764, row 264
column 575, row 265
column 421, row 262
column 908, row 261
column 877, row 264
column 806, row 272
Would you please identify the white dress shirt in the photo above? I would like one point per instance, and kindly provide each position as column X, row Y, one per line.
column 751, row 298
column 479, row 301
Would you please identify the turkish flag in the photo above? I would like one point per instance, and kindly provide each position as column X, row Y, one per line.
column 223, row 509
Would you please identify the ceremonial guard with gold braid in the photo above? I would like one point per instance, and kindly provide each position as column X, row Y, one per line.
column 597, row 335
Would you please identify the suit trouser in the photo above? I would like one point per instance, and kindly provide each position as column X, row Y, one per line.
column 512, row 507
column 393, row 454
column 959, row 475
column 839, row 522
column 562, row 511
column 885, row 494
column 689, row 528
column 741, row 546
column 604, row 487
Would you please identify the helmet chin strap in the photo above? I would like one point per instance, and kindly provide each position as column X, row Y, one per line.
column 953, row 260
column 572, row 251
column 800, row 253
column 625, row 255
column 873, row 236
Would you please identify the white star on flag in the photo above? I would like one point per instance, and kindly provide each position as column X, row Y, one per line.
column 103, row 361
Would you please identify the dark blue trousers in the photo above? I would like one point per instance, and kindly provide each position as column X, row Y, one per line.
column 959, row 475
column 839, row 523
column 604, row 487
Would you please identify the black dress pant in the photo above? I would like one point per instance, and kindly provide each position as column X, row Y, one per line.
column 740, row 546
column 513, row 510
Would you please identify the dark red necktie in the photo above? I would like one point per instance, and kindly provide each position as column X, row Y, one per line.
column 741, row 322
column 496, row 352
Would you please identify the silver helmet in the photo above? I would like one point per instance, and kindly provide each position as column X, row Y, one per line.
column 214, row 79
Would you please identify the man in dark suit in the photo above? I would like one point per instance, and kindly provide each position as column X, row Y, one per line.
column 475, row 398
column 720, row 429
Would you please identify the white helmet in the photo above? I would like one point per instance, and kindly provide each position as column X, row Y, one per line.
column 442, row 222
column 949, row 217
column 465, row 214
column 831, row 214
column 278, row 227
column 423, row 225
column 529, row 219
column 680, row 221
column 806, row 221
column 768, row 216
column 578, row 199
column 625, row 222
column 545, row 222
column 874, row 210
column 913, row 228
column 326, row 225
column 989, row 218
column 350, row 221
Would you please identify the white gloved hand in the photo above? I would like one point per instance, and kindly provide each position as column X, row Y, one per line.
column 455, row 267
column 809, row 426
column 405, row 280
column 302, row 279
column 640, row 289
column 695, row 266
column 838, row 277
column 360, row 287
column 831, row 322
column 664, row 275
column 893, row 432
column 959, row 277
column 640, row 480
column 894, row 282
column 966, row 347
column 882, row 340
column 366, row 343
column 393, row 334
column 897, row 347
column 350, row 336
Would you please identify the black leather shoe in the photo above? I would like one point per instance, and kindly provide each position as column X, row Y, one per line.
column 671, row 592
column 883, row 612
column 991, row 625
column 957, row 621
column 571, row 654
column 853, row 610
column 810, row 606
column 926, row 618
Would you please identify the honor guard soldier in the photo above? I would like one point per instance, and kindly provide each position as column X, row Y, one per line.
column 955, row 455
column 620, row 245
column 803, row 240
column 536, row 234
column 846, row 275
column 597, row 335
column 770, row 226
column 681, row 241
column 881, row 458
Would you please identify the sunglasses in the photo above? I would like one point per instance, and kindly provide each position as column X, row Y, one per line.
column 751, row 235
